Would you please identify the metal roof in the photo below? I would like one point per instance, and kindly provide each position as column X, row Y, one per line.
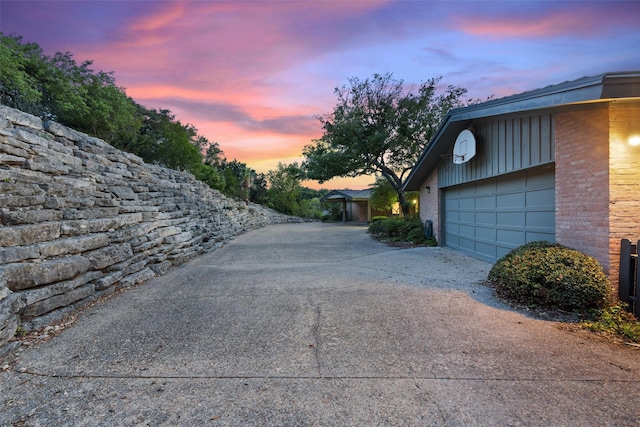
column 347, row 194
column 600, row 88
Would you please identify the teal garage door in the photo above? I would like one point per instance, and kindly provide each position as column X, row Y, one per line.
column 488, row 218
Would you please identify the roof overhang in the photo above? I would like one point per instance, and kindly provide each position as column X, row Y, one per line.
column 348, row 195
column 601, row 88
column 335, row 196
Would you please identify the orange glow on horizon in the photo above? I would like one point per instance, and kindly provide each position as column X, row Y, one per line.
column 359, row 183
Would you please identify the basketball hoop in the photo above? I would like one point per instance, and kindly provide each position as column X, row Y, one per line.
column 464, row 148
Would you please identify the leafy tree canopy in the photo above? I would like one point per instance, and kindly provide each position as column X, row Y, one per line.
column 57, row 88
column 286, row 194
column 18, row 84
column 383, row 195
column 284, row 188
column 258, row 189
column 214, row 155
column 379, row 126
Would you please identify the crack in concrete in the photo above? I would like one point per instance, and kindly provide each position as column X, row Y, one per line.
column 410, row 378
column 428, row 398
column 315, row 333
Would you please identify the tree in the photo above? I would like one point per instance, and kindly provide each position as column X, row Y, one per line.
column 214, row 155
column 210, row 176
column 284, row 188
column 383, row 195
column 309, row 203
column 57, row 88
column 378, row 127
column 163, row 139
column 18, row 86
column 258, row 191
column 239, row 179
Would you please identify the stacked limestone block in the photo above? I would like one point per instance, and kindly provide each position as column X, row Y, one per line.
column 80, row 219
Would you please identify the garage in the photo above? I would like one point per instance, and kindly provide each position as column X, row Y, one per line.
column 559, row 163
column 488, row 218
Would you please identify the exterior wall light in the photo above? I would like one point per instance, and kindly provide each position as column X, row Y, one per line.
column 634, row 140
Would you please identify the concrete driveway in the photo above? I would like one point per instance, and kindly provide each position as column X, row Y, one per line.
column 317, row 324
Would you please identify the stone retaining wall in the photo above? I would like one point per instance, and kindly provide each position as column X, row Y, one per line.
column 80, row 219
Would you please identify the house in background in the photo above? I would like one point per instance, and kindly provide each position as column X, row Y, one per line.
column 561, row 163
column 356, row 205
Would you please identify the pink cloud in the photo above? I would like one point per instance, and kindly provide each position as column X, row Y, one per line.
column 522, row 26
column 252, row 74
column 159, row 20
column 544, row 20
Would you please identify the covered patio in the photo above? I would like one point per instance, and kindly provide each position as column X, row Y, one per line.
column 356, row 205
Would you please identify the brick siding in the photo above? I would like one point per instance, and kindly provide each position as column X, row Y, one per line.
column 624, row 179
column 430, row 202
column 597, row 176
column 582, row 182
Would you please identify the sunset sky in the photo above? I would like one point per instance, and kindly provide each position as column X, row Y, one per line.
column 251, row 75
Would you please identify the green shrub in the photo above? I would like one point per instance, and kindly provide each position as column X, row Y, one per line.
column 396, row 228
column 379, row 227
column 551, row 275
column 378, row 218
column 400, row 230
column 415, row 235
column 388, row 227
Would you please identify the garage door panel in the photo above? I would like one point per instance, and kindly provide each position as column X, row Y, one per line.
column 451, row 203
column 510, row 200
column 465, row 192
column 486, row 202
column 488, row 250
column 454, row 241
column 489, row 218
column 467, row 230
column 483, row 187
column 538, row 198
column 510, row 218
column 454, row 228
column 540, row 219
column 532, row 236
column 543, row 177
column 467, row 244
column 506, row 186
column 467, row 217
column 511, row 237
column 467, row 203
column 485, row 218
column 502, row 251
column 483, row 233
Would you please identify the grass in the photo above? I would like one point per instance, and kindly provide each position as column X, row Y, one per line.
column 616, row 321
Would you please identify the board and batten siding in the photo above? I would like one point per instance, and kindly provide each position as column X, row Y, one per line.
column 503, row 146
